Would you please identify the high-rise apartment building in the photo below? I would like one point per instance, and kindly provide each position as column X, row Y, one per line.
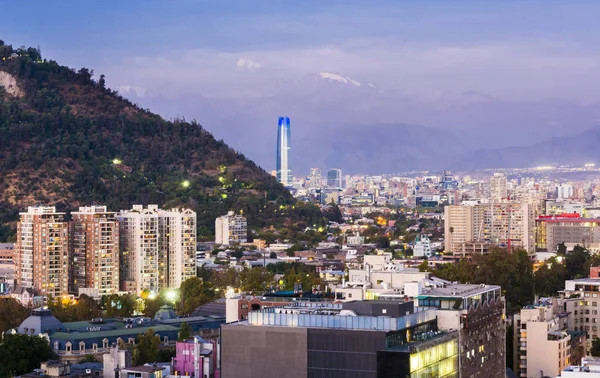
column 498, row 188
column 42, row 251
column 543, row 342
column 284, row 172
column 231, row 228
column 94, row 245
column 157, row 247
column 176, row 246
column 138, row 234
column 334, row 178
column 315, row 178
column 504, row 224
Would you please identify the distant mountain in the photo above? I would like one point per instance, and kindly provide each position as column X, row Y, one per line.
column 67, row 140
column 573, row 150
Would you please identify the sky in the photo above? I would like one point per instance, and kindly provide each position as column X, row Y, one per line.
column 172, row 51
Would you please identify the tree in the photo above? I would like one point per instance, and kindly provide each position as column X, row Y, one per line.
column 256, row 280
column 147, row 348
column 185, row 331
column 273, row 255
column 12, row 314
column 195, row 292
column 383, row 242
column 88, row 358
column 595, row 350
column 20, row 354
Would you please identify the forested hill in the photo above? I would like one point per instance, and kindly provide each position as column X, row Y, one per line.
column 67, row 140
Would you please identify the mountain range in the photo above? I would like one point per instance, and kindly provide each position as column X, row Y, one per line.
column 68, row 141
column 364, row 127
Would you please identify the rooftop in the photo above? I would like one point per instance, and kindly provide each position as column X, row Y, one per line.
column 459, row 290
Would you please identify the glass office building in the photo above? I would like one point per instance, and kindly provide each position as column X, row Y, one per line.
column 284, row 173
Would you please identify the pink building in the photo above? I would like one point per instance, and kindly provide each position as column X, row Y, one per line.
column 196, row 357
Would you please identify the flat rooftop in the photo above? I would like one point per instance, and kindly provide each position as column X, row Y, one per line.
column 459, row 290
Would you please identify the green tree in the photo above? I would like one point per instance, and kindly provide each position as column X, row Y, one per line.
column 88, row 358
column 20, row 354
column 147, row 348
column 12, row 314
column 256, row 280
column 595, row 349
column 185, row 332
column 195, row 292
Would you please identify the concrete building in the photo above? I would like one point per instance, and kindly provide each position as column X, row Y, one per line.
column 7, row 253
column 196, row 357
column 570, row 229
column 158, row 247
column 94, row 245
column 581, row 297
column 42, row 251
column 564, row 191
column 589, row 368
column 498, row 188
column 116, row 359
column 138, row 234
column 356, row 339
column 335, row 178
column 477, row 312
column 176, row 246
column 503, row 224
column 422, row 247
column 231, row 228
column 543, row 345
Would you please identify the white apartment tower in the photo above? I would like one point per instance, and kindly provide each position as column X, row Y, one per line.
column 498, row 188
column 231, row 228
column 157, row 247
column 138, row 234
column 177, row 246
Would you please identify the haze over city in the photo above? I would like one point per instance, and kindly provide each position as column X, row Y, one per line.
column 417, row 80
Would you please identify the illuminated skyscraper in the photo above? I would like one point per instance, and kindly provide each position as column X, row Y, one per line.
column 284, row 173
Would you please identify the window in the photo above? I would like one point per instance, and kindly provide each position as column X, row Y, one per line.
column 166, row 339
column 575, row 312
column 384, row 311
column 595, row 304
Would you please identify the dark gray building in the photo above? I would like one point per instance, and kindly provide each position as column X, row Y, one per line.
column 339, row 340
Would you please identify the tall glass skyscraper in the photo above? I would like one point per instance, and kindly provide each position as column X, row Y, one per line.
column 284, row 173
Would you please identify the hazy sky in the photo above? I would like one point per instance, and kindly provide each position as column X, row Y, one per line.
column 508, row 49
column 481, row 70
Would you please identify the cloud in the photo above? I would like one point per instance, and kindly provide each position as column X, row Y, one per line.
column 247, row 64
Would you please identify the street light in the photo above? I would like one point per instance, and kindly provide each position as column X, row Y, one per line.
column 171, row 295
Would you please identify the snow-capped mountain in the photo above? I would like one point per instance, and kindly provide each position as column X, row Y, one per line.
column 342, row 80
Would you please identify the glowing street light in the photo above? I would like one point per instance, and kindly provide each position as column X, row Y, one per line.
column 186, row 183
column 171, row 295
column 116, row 161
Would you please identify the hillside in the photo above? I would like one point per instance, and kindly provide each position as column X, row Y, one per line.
column 67, row 140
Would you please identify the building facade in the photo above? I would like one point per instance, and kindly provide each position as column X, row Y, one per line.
column 334, row 178
column 231, row 228
column 570, row 229
column 177, row 246
column 353, row 339
column 284, row 140
column 138, row 240
column 42, row 251
column 94, row 245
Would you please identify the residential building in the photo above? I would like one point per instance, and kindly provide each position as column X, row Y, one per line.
column 477, row 312
column 158, row 247
column 498, row 188
column 42, row 251
column 196, row 357
column 7, row 253
column 581, row 297
column 138, row 235
column 564, row 191
column 335, row 178
column 115, row 359
column 570, row 229
column 94, row 246
column 422, row 247
column 284, row 172
column 315, row 178
column 354, row 339
column 72, row 341
column 231, row 228
column 504, row 224
column 543, row 343
column 176, row 246
column 589, row 368
column 142, row 372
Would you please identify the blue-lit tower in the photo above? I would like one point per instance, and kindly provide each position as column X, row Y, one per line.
column 284, row 173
